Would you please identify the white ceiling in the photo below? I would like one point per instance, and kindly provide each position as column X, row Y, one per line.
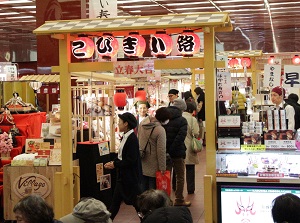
column 267, row 25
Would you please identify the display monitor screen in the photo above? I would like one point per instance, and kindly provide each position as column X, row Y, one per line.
column 251, row 203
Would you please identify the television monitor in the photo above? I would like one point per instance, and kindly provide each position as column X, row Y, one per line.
column 251, row 203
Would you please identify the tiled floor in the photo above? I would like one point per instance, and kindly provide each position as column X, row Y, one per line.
column 127, row 213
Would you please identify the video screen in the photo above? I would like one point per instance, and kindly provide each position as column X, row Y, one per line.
column 249, row 204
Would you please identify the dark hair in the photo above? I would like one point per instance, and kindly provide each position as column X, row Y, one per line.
column 187, row 95
column 286, row 208
column 293, row 97
column 162, row 114
column 152, row 199
column 34, row 209
column 198, row 90
column 191, row 106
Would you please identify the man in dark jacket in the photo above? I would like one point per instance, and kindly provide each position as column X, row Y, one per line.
column 293, row 101
column 176, row 131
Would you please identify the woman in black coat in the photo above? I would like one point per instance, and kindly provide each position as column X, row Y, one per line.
column 128, row 165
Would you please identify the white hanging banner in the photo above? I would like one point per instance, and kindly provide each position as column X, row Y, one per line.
column 103, row 9
column 291, row 76
column 11, row 72
column 223, row 85
column 272, row 74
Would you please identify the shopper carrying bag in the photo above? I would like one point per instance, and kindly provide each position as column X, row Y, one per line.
column 163, row 181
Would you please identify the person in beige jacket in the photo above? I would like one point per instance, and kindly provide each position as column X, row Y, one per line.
column 191, row 157
column 152, row 141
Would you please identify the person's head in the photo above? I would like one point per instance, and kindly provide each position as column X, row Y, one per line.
column 173, row 94
column 293, row 97
column 150, row 200
column 142, row 108
column 187, row 95
column 163, row 115
column 277, row 95
column 191, row 106
column 286, row 208
column 126, row 122
column 198, row 90
column 88, row 209
column 179, row 103
column 33, row 209
column 16, row 94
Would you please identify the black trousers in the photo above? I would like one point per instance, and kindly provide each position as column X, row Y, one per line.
column 190, row 178
column 117, row 200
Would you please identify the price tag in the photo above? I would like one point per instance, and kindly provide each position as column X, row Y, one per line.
column 287, row 144
column 272, row 144
column 253, row 148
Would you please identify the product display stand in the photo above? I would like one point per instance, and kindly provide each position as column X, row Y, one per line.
column 89, row 157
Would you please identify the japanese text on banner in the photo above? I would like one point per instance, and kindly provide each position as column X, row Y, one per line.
column 223, row 85
column 291, row 76
column 272, row 74
column 103, row 9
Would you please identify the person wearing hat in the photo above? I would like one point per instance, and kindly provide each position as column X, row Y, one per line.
column 88, row 209
column 128, row 165
column 172, row 95
column 176, row 131
column 277, row 98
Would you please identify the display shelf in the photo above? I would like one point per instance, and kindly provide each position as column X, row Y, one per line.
column 255, row 179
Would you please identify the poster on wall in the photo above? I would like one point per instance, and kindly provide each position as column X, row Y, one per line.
column 99, row 171
column 105, row 182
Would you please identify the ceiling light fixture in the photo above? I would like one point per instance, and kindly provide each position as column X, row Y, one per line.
column 296, row 60
column 271, row 60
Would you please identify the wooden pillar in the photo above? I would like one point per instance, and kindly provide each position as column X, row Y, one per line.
column 64, row 180
column 210, row 119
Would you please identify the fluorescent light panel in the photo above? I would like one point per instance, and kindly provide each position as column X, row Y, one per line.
column 25, row 7
column 14, row 2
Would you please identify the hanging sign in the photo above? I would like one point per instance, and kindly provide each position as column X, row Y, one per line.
column 133, row 69
column 223, row 85
column 103, row 9
column 8, row 71
column 272, row 74
column 291, row 76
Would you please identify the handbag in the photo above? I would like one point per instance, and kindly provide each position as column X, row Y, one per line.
column 143, row 152
column 163, row 181
column 196, row 143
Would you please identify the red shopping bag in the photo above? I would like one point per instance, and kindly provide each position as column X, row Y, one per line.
column 163, row 181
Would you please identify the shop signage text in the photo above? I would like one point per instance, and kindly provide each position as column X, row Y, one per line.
column 31, row 183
